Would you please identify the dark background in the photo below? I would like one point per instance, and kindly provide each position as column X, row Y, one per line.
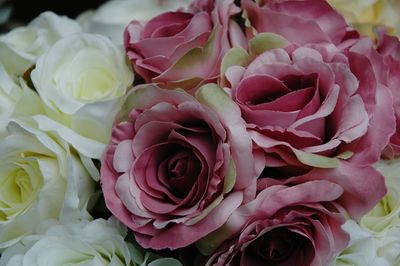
column 23, row 11
column 26, row 10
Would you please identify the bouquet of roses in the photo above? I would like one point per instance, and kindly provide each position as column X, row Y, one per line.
column 215, row 132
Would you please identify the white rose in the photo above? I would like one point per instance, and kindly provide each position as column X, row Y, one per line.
column 40, row 178
column 10, row 93
column 366, row 15
column 389, row 246
column 378, row 232
column 82, row 79
column 362, row 249
column 96, row 243
column 20, row 48
column 386, row 213
column 111, row 18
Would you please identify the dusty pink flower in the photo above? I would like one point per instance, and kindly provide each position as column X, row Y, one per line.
column 183, row 49
column 296, row 225
column 176, row 168
column 300, row 22
column 315, row 105
column 362, row 186
column 389, row 49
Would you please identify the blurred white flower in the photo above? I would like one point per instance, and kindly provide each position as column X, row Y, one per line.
column 376, row 239
column 367, row 15
column 386, row 213
column 99, row 242
column 389, row 246
column 362, row 249
column 20, row 48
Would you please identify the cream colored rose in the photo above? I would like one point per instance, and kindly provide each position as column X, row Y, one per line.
column 84, row 243
column 375, row 241
column 40, row 178
column 20, row 48
column 10, row 93
column 82, row 80
column 386, row 213
column 111, row 18
column 366, row 15
column 361, row 250
column 389, row 246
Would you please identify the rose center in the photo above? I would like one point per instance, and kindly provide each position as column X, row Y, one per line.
column 386, row 205
column 270, row 97
column 295, row 90
column 19, row 184
column 295, row 82
column 89, row 77
column 277, row 246
column 178, row 167
column 182, row 170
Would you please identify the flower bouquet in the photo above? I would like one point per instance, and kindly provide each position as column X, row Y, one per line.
column 211, row 132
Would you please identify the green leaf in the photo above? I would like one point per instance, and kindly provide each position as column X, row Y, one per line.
column 316, row 160
column 230, row 177
column 213, row 96
column 197, row 55
column 266, row 41
column 230, row 116
column 165, row 262
column 235, row 56
column 184, row 84
column 205, row 212
column 208, row 244
column 345, row 155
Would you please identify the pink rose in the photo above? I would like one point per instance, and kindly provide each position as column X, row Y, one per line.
column 296, row 225
column 315, row 19
column 177, row 168
column 362, row 186
column 314, row 106
column 389, row 48
column 184, row 49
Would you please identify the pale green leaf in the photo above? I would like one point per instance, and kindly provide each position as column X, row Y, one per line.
column 235, row 56
column 266, row 41
column 316, row 160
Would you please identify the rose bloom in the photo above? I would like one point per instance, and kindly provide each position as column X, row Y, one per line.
column 367, row 15
column 41, row 178
column 183, row 49
column 81, row 80
column 389, row 246
column 386, row 214
column 175, row 166
column 315, row 104
column 10, row 93
column 389, row 49
column 363, row 248
column 375, row 240
column 316, row 20
column 19, row 50
column 21, row 47
column 283, row 226
column 111, row 18
column 98, row 242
